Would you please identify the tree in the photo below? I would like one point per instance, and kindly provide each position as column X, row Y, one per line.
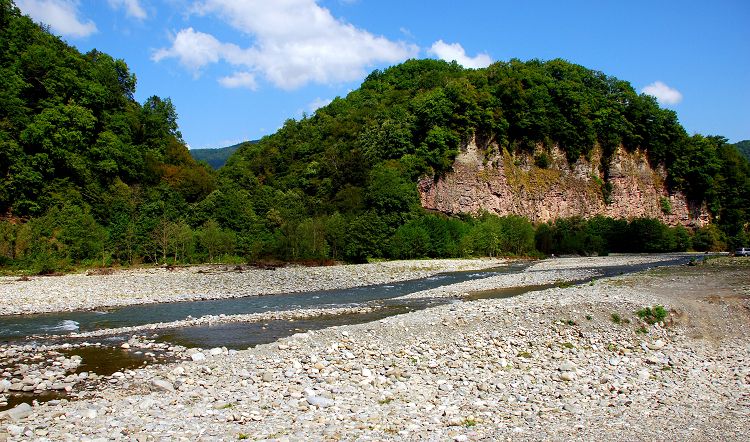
column 215, row 240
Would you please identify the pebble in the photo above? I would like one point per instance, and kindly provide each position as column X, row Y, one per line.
column 18, row 412
column 568, row 375
column 319, row 401
column 567, row 366
column 161, row 385
column 656, row 345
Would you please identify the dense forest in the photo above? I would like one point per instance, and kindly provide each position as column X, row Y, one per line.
column 91, row 177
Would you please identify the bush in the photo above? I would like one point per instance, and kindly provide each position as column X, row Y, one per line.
column 709, row 239
column 652, row 315
column 666, row 205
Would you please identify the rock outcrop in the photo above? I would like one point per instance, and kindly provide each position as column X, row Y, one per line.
column 488, row 179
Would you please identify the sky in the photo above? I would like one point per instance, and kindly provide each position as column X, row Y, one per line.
column 237, row 69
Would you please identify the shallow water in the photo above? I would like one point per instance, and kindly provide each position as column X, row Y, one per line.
column 241, row 335
column 66, row 322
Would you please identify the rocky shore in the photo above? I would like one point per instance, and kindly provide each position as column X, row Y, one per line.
column 149, row 285
column 559, row 364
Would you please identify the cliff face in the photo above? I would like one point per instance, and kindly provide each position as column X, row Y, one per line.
column 486, row 179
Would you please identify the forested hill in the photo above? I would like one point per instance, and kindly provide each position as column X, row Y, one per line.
column 89, row 176
column 362, row 154
column 216, row 158
column 71, row 132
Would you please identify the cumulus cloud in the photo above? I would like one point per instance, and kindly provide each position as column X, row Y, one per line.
column 663, row 93
column 291, row 43
column 60, row 15
column 456, row 52
column 239, row 80
column 194, row 50
column 132, row 8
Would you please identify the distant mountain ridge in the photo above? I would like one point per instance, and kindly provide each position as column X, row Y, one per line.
column 216, row 158
column 744, row 148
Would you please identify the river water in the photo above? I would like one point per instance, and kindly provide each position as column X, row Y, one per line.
column 21, row 326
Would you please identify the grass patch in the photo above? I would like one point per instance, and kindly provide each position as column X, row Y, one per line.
column 385, row 401
column 468, row 423
column 524, row 354
column 641, row 330
column 568, row 345
column 589, row 317
column 617, row 319
column 243, row 436
column 652, row 315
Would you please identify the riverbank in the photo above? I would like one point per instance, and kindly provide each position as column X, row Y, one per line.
column 546, row 365
column 70, row 292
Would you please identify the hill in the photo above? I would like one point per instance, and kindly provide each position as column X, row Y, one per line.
column 744, row 148
column 216, row 158
column 361, row 155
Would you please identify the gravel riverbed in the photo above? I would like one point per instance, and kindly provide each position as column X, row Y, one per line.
column 547, row 365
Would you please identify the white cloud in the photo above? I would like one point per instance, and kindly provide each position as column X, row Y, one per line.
column 194, row 50
column 318, row 103
column 292, row 43
column 133, row 8
column 663, row 93
column 451, row 52
column 239, row 80
column 60, row 15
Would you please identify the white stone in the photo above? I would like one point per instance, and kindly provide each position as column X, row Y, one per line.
column 568, row 375
column 657, row 345
column 320, row 401
column 567, row 366
column 19, row 412
column 161, row 385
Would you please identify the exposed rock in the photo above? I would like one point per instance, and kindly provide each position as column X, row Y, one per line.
column 484, row 179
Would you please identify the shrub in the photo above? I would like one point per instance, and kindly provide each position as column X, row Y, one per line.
column 652, row 315
column 666, row 205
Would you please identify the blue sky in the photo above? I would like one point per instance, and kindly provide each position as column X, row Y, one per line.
column 237, row 69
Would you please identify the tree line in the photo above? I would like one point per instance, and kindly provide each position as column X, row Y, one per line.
column 68, row 237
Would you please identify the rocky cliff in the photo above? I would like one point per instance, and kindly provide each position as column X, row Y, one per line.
column 488, row 179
